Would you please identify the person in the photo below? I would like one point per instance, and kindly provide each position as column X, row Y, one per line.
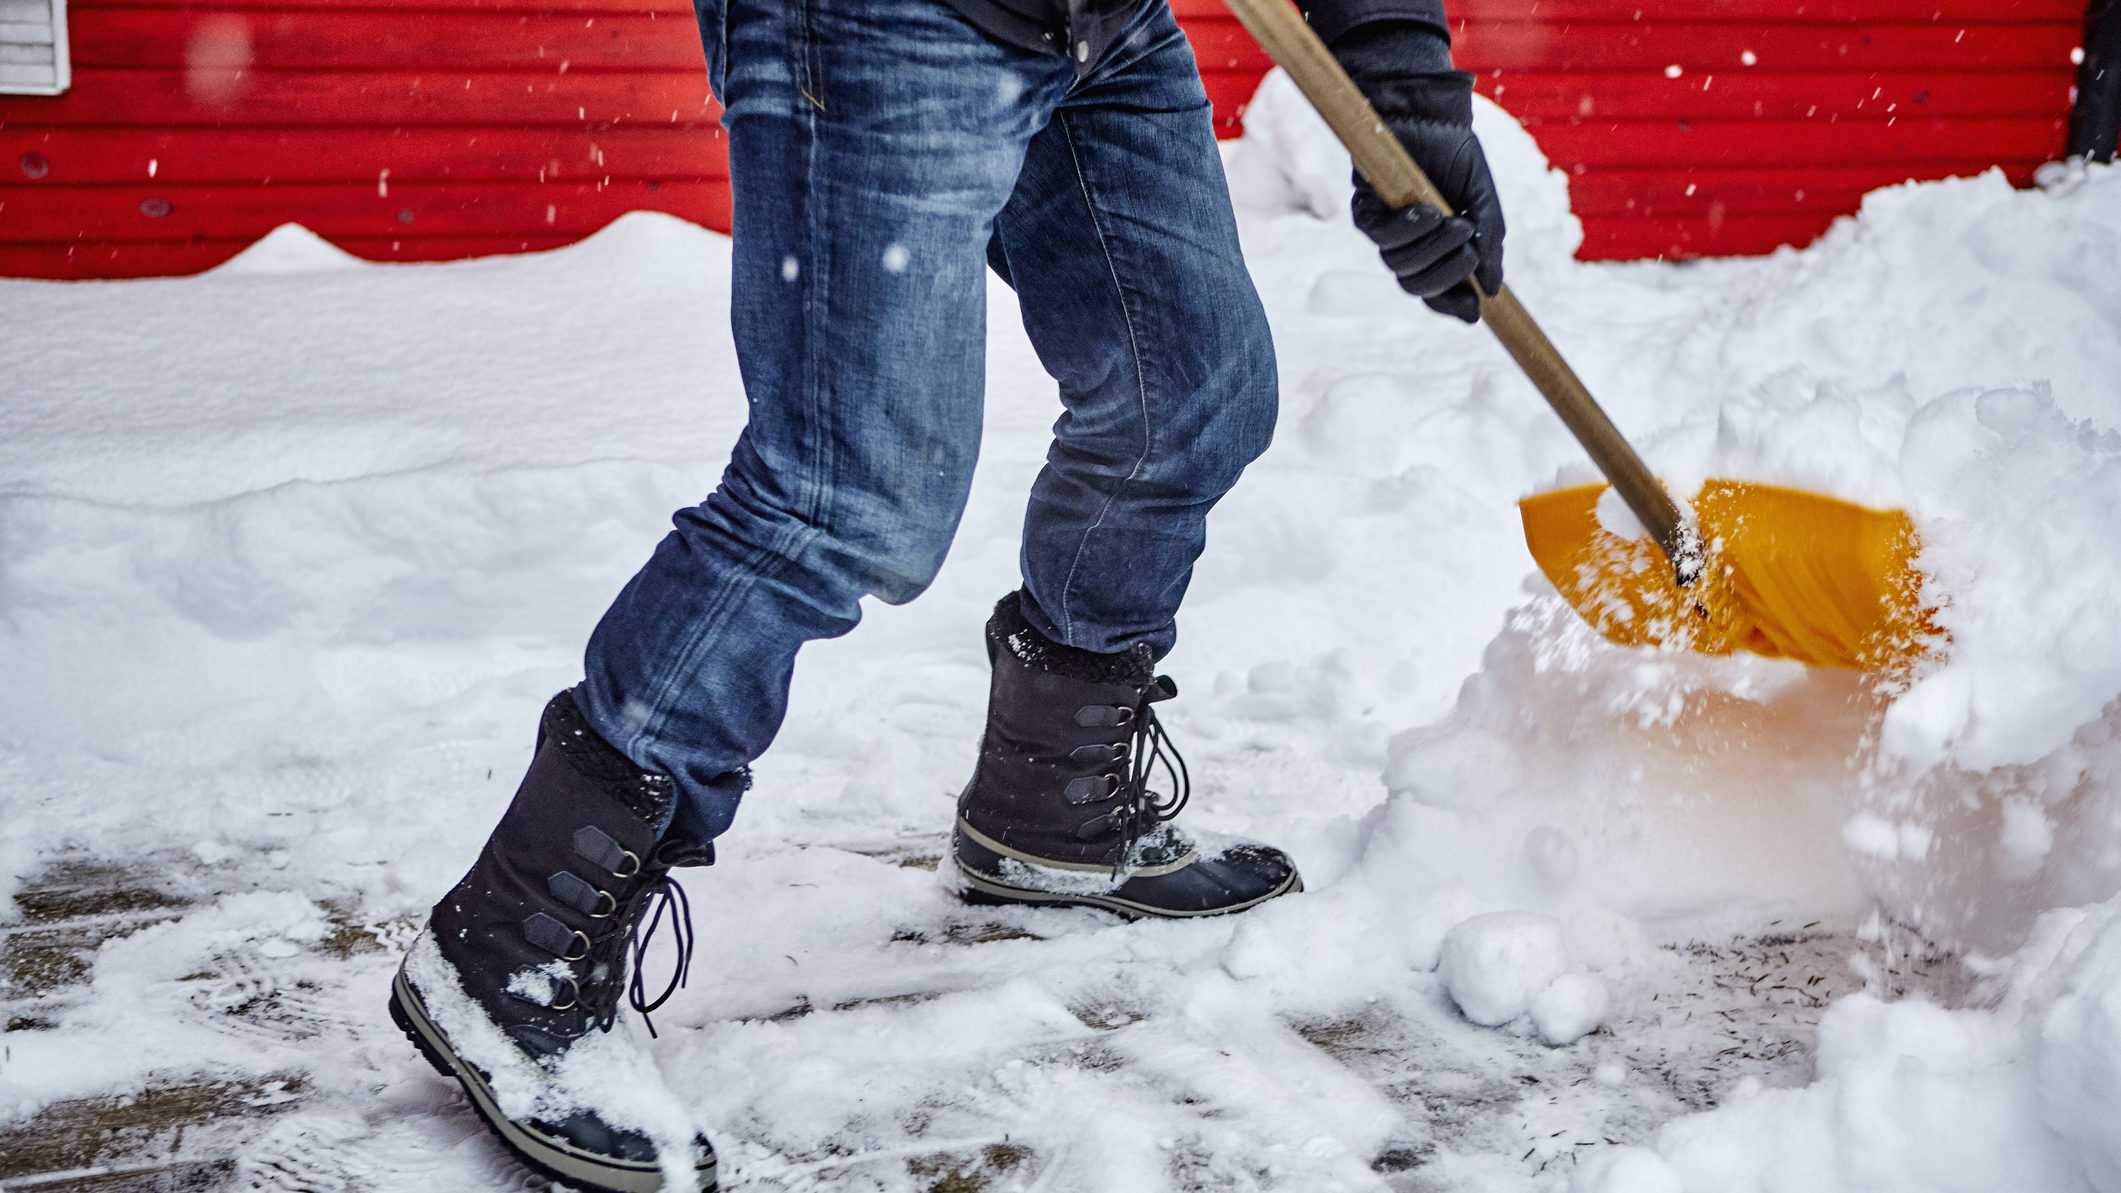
column 884, row 155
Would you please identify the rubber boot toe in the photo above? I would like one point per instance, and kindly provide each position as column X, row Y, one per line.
column 1232, row 878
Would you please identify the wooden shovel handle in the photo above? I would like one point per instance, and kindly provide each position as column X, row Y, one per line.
column 1401, row 183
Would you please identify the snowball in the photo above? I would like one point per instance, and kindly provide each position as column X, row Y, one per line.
column 1570, row 1008
column 1493, row 965
column 1622, row 1169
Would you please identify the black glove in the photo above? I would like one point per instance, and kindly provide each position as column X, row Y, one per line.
column 1404, row 69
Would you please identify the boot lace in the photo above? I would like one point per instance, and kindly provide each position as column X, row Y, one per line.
column 629, row 943
column 1148, row 749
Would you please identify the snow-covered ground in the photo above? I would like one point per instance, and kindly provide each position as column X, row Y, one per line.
column 292, row 553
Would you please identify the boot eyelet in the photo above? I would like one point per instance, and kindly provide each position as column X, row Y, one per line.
column 633, row 857
column 573, row 1000
column 605, row 914
column 571, row 955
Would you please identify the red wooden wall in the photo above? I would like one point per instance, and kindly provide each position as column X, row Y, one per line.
column 1720, row 127
column 431, row 129
column 402, row 130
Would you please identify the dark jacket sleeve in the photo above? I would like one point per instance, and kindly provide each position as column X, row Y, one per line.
column 1331, row 18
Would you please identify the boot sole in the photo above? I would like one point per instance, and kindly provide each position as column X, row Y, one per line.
column 984, row 891
column 549, row 1156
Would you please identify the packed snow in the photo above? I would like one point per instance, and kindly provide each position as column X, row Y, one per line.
column 292, row 553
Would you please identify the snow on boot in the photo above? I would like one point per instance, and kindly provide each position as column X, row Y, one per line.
column 1059, row 809
column 514, row 987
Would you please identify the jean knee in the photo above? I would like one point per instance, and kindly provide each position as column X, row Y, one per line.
column 908, row 565
column 1245, row 399
column 1261, row 388
column 891, row 537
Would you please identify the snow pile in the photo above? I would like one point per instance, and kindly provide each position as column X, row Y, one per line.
column 2072, row 1023
column 290, row 248
column 291, row 555
column 1913, row 1097
column 1949, row 352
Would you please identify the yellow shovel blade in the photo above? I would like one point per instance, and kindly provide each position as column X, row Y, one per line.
column 1791, row 575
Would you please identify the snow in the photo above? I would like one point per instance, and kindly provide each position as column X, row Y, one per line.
column 1493, row 965
column 1501, row 965
column 1911, row 1096
column 292, row 553
column 608, row 1073
column 1624, row 1169
column 289, row 248
column 1570, row 1008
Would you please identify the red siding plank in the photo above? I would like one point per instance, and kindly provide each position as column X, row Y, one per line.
column 661, row 10
column 1762, row 12
column 128, row 213
column 1224, row 45
column 1800, row 143
column 356, row 40
column 382, row 100
column 1565, row 12
column 1628, row 239
column 1701, row 194
column 1775, row 48
column 1229, row 91
column 121, row 259
column 357, row 155
column 1538, row 96
column 1707, row 48
column 451, row 248
column 77, row 261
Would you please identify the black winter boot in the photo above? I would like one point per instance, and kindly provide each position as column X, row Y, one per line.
column 1059, row 810
column 515, row 985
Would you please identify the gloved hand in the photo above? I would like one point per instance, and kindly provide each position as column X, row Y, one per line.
column 1404, row 69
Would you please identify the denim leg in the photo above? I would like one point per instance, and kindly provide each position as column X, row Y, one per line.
column 1123, row 250
column 871, row 143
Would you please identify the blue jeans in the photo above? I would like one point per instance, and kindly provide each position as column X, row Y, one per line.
column 883, row 154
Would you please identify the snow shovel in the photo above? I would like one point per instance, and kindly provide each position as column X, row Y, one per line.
column 1775, row 571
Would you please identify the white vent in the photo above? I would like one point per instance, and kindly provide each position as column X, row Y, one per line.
column 33, row 57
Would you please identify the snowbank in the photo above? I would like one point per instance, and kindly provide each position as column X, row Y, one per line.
column 1951, row 352
column 1914, row 1097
